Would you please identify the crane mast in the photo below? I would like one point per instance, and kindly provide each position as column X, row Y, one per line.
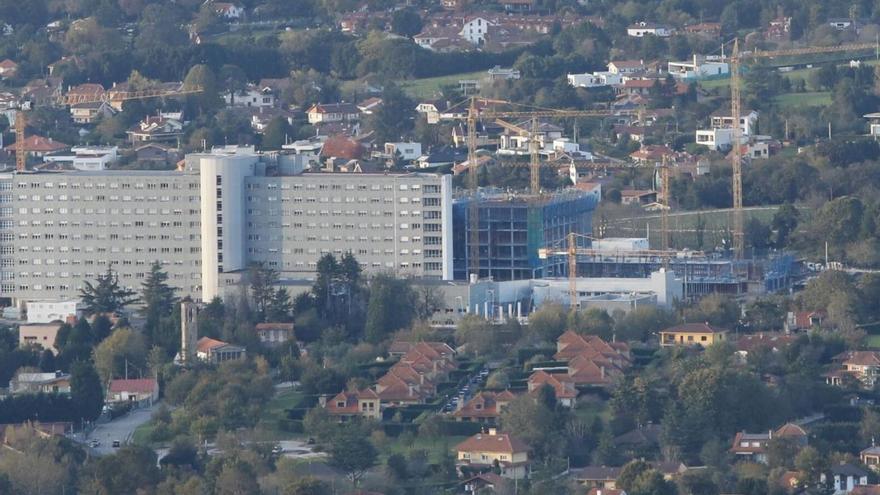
column 735, row 100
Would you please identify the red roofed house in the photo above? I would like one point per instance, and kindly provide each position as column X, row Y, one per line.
column 8, row 69
column 39, row 146
column 85, row 92
column 804, row 320
column 217, row 351
column 134, row 390
column 227, row 10
column 563, row 387
column 863, row 365
column 485, row 407
column 638, row 197
column 348, row 405
column 342, row 148
column 481, row 451
column 753, row 446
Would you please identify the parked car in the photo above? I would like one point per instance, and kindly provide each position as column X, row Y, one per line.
column 94, row 444
column 115, row 444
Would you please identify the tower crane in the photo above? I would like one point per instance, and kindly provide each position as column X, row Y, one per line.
column 477, row 112
column 116, row 97
column 736, row 59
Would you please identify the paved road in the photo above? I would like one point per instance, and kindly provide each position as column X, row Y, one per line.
column 119, row 429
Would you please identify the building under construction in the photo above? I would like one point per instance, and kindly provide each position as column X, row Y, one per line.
column 514, row 226
column 701, row 273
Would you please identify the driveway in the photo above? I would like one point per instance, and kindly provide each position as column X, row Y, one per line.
column 120, row 429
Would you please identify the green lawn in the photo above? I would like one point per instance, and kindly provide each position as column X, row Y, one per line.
column 430, row 87
column 873, row 341
column 275, row 411
column 436, row 447
column 142, row 434
column 812, row 99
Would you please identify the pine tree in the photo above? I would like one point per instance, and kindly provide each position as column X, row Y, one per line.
column 86, row 391
column 106, row 295
column 159, row 303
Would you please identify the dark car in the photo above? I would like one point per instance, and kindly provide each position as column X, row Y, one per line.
column 115, row 444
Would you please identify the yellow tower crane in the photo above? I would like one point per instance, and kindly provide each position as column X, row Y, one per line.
column 118, row 97
column 484, row 109
column 736, row 59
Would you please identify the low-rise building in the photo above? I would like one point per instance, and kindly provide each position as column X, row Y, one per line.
column 702, row 334
column 88, row 158
column 34, row 383
column 251, row 96
column 643, row 28
column 133, row 390
column 348, row 405
column 864, row 366
column 485, row 407
column 844, row 478
column 871, row 457
column 38, row 146
column 273, row 334
column 90, row 112
column 409, row 151
column 156, row 128
column 323, row 113
column 594, row 80
column 483, row 450
column 49, row 311
column 217, row 351
column 699, row 67
column 39, row 334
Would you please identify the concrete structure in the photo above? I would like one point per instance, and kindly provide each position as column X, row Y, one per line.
column 594, row 80
column 42, row 335
column 34, row 383
column 408, row 151
column 873, row 124
column 716, row 139
column 49, row 311
column 273, row 334
column 642, row 29
column 88, row 158
column 208, row 221
column 189, row 331
column 699, row 67
column 512, row 228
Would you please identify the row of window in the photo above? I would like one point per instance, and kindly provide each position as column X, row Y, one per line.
column 92, row 262
column 347, row 187
column 337, row 199
column 102, row 197
column 101, row 185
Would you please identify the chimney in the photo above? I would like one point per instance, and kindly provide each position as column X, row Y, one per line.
column 602, row 371
column 493, row 431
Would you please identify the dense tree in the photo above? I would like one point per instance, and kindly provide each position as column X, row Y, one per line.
column 106, row 295
column 129, row 470
column 394, row 119
column 86, row 391
column 277, row 133
column 159, row 302
column 123, row 351
column 406, row 22
column 352, row 453
column 391, row 307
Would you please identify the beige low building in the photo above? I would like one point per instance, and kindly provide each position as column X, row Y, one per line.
column 42, row 335
column 483, row 450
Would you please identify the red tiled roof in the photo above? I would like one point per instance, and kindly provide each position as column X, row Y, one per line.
column 39, row 144
column 342, row 147
column 563, row 388
column 748, row 343
column 863, row 358
column 8, row 64
column 501, row 442
column 205, row 344
column 140, row 385
column 274, row 326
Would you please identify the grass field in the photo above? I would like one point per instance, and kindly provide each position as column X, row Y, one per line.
column 142, row 434
column 430, row 87
column 435, row 447
column 275, row 411
column 873, row 341
column 812, row 99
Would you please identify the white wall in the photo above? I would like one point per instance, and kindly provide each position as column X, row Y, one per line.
column 446, row 225
column 49, row 311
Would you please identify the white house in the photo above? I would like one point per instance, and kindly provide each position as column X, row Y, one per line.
column 322, row 113
column 715, row 139
column 642, row 29
column 88, row 158
column 594, row 80
column 251, row 96
column 408, row 151
column 135, row 390
column 747, row 122
column 626, row 66
column 698, row 68
column 226, row 10
column 49, row 311
column 475, row 30
column 873, row 124
column 845, row 477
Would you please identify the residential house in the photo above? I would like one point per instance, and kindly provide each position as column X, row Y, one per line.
column 134, row 390
column 699, row 67
column 216, row 351
column 873, row 124
column 444, row 38
column 488, row 482
column 871, row 457
column 708, row 30
column 226, row 10
column 845, row 478
column 517, row 139
column 251, row 96
column 370, row 105
column 34, row 383
column 39, row 334
column 561, row 384
column 274, row 334
column 156, row 128
column 642, row 29
column 517, row 5
column 748, row 121
column 349, row 405
column 640, row 197
column 716, row 139
column 842, row 24
column 861, row 365
column 323, row 113
column 651, row 154
column 796, row 321
column 484, row 407
column 408, row 151
column 8, row 69
column 342, row 148
column 751, row 446
column 88, row 158
column 779, row 29
column 432, row 110
column 38, row 146
column 42, row 92
column 632, row 87
column 645, row 438
column 702, row 334
column 498, row 74
column 90, row 112
column 86, row 92
column 594, row 80
column 481, row 452
column 261, row 117
column 475, row 30
column 400, row 348
column 152, row 152
column 626, row 67
column 606, row 491
column 601, row 477
column 772, row 341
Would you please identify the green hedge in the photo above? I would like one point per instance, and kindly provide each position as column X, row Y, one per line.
column 291, row 425
column 525, row 354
